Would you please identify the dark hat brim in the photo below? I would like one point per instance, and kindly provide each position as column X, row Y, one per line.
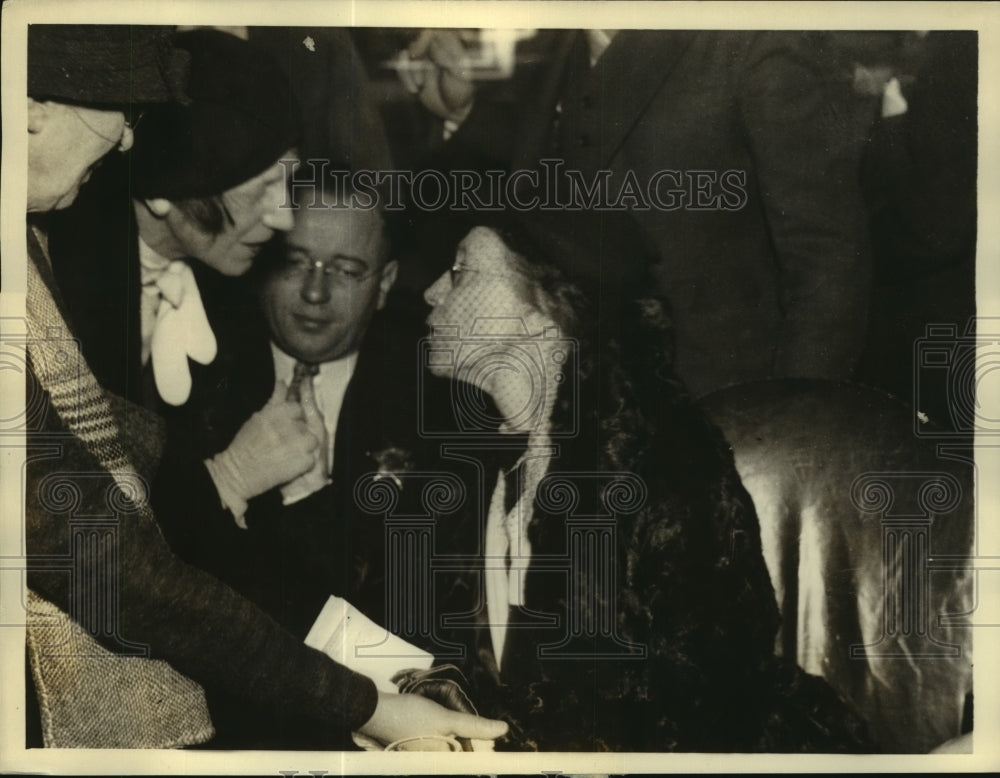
column 241, row 117
column 104, row 65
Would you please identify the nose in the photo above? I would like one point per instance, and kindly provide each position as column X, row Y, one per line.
column 278, row 209
column 316, row 286
column 128, row 138
column 435, row 293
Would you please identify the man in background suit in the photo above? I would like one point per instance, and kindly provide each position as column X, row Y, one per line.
column 768, row 278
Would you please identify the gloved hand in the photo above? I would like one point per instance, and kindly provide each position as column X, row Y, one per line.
column 319, row 476
column 443, row 684
column 274, row 446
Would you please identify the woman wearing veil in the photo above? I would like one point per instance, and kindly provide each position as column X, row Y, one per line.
column 622, row 598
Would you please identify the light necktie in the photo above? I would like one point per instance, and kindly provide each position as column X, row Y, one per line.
column 318, row 477
column 301, row 372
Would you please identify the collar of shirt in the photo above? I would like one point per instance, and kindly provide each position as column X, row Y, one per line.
column 152, row 265
column 598, row 41
column 330, row 385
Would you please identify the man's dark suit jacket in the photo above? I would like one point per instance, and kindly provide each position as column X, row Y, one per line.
column 777, row 286
column 291, row 558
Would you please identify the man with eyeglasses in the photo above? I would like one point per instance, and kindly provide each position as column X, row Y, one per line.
column 318, row 301
column 313, row 332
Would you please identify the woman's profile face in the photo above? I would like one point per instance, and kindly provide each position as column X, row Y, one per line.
column 485, row 294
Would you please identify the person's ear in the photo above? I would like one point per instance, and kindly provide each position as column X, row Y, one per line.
column 158, row 207
column 38, row 115
column 387, row 279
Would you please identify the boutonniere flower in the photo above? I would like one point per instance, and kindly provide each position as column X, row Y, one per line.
column 392, row 463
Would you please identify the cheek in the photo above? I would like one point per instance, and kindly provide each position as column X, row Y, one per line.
column 283, row 298
column 492, row 299
column 274, row 301
column 245, row 211
column 195, row 243
column 225, row 255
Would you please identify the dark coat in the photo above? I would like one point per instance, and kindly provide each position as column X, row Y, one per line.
column 290, row 559
column 94, row 246
column 768, row 284
column 659, row 636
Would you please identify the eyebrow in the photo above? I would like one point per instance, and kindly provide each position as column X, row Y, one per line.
column 290, row 247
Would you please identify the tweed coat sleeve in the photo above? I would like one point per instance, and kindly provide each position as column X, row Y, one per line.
column 183, row 615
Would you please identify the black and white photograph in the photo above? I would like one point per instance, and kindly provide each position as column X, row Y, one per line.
column 563, row 388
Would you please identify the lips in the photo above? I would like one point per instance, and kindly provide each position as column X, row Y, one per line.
column 255, row 247
column 310, row 323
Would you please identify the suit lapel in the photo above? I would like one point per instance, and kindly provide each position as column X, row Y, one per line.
column 359, row 412
column 532, row 140
column 624, row 82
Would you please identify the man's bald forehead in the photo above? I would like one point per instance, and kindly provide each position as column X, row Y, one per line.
column 321, row 202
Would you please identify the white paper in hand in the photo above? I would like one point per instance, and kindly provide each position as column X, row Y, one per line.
column 345, row 634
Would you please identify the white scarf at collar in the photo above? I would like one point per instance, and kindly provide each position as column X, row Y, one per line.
column 174, row 324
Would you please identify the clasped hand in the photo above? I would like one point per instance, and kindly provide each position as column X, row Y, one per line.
column 279, row 443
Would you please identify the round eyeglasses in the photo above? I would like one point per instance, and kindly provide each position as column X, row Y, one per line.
column 455, row 272
column 343, row 272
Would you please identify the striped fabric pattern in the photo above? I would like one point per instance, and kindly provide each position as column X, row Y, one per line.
column 91, row 697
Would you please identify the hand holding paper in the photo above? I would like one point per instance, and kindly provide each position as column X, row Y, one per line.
column 345, row 634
